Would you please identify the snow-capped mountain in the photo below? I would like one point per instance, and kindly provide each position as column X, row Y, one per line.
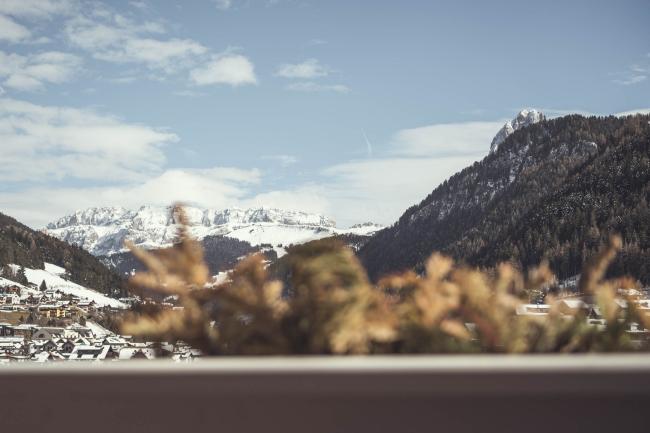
column 102, row 231
column 525, row 118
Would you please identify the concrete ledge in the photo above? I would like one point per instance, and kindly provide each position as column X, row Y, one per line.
column 332, row 394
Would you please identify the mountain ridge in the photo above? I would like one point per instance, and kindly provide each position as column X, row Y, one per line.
column 474, row 215
column 103, row 230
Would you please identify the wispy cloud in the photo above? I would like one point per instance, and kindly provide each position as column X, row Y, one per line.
column 310, row 68
column 284, row 160
column 10, row 10
column 316, row 41
column 139, row 4
column 631, row 79
column 445, row 139
column 309, row 71
column 43, row 143
column 189, row 94
column 231, row 69
column 633, row 74
column 111, row 37
column 310, row 86
column 32, row 72
column 12, row 31
column 222, row 4
column 128, row 79
column 37, row 8
column 308, row 198
column 381, row 189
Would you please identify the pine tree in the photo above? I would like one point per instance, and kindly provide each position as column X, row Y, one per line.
column 43, row 286
column 21, row 278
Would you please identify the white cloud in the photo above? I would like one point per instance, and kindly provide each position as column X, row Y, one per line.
column 40, row 143
column 631, row 79
column 12, row 31
column 31, row 72
column 381, row 190
column 46, row 149
column 316, row 41
column 310, row 86
column 307, row 198
column 308, row 69
column 446, row 139
column 634, row 74
column 231, row 69
column 122, row 80
column 284, row 160
column 222, row 4
column 36, row 8
column 23, row 82
column 114, row 38
column 215, row 187
column 188, row 93
column 139, row 5
column 167, row 55
column 41, row 40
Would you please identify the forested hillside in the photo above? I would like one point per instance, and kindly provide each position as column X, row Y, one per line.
column 26, row 247
column 555, row 190
column 221, row 253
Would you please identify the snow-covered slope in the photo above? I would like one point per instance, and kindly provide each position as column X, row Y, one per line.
column 52, row 275
column 102, row 231
column 98, row 330
column 24, row 291
column 524, row 118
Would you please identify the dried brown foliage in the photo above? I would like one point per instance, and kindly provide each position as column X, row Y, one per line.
column 332, row 308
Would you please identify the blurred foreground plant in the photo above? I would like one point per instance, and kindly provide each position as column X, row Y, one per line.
column 332, row 308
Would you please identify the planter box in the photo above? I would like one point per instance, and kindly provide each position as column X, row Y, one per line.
column 485, row 393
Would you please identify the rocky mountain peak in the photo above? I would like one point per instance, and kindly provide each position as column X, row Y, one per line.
column 526, row 117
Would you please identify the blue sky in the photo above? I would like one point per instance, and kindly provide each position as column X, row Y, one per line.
column 354, row 109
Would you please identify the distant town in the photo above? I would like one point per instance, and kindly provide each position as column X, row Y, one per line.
column 42, row 324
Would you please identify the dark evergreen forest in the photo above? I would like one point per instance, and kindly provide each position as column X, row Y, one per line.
column 553, row 190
